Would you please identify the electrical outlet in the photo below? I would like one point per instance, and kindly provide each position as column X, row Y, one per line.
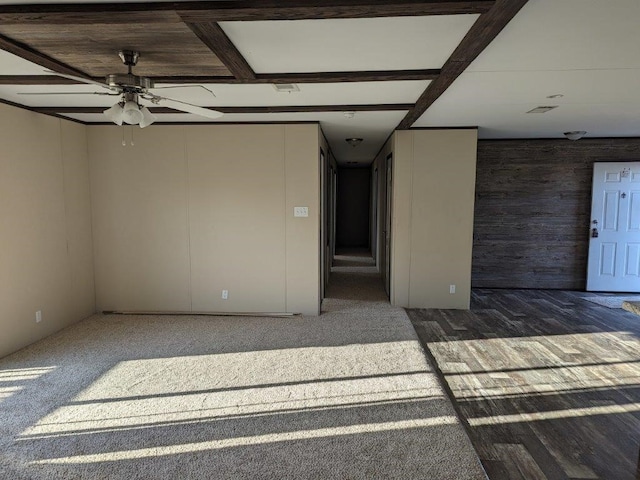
column 38, row 316
column 452, row 289
column 225, row 294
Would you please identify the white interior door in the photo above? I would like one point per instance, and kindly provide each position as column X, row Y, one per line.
column 614, row 247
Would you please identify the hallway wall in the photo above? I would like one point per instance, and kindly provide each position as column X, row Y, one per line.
column 432, row 214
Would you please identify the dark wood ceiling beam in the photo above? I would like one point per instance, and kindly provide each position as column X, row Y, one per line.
column 241, row 10
column 21, row 50
column 83, row 14
column 268, row 109
column 481, row 34
column 318, row 9
column 320, row 77
column 212, row 35
column 36, row 80
column 339, row 77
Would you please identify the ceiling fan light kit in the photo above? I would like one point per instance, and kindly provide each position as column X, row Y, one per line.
column 132, row 89
column 129, row 111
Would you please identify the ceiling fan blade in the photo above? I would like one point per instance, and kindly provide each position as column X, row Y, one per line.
column 186, row 107
column 69, row 93
column 80, row 79
column 186, row 86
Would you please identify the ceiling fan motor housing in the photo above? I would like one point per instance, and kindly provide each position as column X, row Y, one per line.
column 130, row 81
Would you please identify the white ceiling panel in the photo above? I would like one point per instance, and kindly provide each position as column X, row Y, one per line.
column 584, row 50
column 335, row 45
column 567, row 35
column 361, row 93
column 373, row 127
column 14, row 65
column 165, row 117
column 532, row 89
column 66, row 95
column 605, row 105
column 596, row 120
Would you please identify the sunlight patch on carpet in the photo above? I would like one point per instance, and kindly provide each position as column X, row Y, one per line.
column 249, row 441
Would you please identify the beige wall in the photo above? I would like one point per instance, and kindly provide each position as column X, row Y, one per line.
column 433, row 197
column 191, row 210
column 140, row 219
column 45, row 234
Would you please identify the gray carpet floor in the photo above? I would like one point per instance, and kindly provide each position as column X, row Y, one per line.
column 346, row 395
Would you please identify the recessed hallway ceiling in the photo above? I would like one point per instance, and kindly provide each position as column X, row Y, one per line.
column 402, row 64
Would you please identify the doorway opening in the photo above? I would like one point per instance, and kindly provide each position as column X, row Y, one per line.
column 353, row 214
column 354, row 218
column 356, row 238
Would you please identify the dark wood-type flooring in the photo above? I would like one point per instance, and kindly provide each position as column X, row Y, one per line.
column 547, row 384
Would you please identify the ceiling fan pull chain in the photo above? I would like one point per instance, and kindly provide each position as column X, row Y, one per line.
column 132, row 144
column 124, row 143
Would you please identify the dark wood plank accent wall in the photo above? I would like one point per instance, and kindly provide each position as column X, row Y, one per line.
column 533, row 203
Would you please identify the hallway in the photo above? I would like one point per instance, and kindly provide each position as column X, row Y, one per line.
column 354, row 276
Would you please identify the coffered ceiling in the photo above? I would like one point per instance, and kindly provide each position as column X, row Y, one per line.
column 387, row 64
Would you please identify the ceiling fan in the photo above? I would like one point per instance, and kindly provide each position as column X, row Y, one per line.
column 132, row 89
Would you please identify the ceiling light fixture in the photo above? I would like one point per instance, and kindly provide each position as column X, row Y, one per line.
column 128, row 110
column 557, row 95
column 575, row 135
column 349, row 114
column 354, row 142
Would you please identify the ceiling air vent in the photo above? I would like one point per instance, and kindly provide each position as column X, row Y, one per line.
column 286, row 87
column 544, row 109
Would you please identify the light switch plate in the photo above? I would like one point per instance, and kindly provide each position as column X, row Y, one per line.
column 300, row 211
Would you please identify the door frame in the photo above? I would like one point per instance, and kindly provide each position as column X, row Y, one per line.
column 388, row 223
column 323, row 222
